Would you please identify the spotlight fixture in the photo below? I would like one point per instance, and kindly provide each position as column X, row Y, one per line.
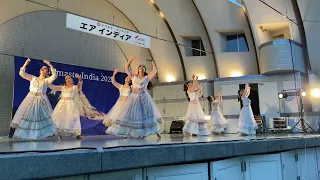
column 282, row 95
column 303, row 93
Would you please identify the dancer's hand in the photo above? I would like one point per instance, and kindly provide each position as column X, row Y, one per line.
column 220, row 94
column 28, row 61
column 115, row 72
column 78, row 77
column 193, row 77
column 133, row 58
column 47, row 63
column 154, row 65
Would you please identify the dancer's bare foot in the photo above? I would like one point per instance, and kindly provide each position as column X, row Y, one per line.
column 187, row 134
column 79, row 137
column 159, row 136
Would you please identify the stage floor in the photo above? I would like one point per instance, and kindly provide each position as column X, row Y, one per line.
column 107, row 142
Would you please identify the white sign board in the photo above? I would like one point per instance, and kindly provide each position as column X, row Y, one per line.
column 106, row 30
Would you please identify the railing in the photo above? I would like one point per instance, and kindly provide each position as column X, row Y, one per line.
column 281, row 56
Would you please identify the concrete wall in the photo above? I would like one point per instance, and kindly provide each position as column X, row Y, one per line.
column 221, row 16
column 309, row 10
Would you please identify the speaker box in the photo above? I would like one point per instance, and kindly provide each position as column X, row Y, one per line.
column 176, row 127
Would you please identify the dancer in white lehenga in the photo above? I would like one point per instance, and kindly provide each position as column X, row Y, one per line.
column 195, row 117
column 140, row 117
column 33, row 117
column 124, row 91
column 247, row 124
column 66, row 114
column 219, row 123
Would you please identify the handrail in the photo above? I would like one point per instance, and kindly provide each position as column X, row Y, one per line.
column 280, row 41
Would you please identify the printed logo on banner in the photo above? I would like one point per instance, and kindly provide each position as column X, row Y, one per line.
column 97, row 88
column 106, row 30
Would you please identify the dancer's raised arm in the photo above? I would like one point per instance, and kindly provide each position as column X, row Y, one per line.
column 153, row 72
column 246, row 92
column 53, row 76
column 194, row 83
column 80, row 82
column 23, row 73
column 54, row 87
column 126, row 68
column 113, row 79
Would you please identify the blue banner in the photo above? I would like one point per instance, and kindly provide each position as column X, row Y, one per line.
column 97, row 88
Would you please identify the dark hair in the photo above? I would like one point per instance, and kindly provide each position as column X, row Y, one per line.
column 209, row 98
column 150, row 85
column 185, row 89
column 239, row 98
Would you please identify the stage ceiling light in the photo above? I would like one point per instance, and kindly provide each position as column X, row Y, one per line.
column 170, row 78
column 161, row 14
column 303, row 93
column 236, row 74
column 152, row 1
column 200, row 77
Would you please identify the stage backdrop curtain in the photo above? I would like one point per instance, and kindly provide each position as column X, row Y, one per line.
column 97, row 87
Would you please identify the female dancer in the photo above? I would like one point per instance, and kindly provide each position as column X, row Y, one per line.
column 247, row 124
column 219, row 123
column 195, row 118
column 33, row 117
column 124, row 91
column 141, row 117
column 66, row 114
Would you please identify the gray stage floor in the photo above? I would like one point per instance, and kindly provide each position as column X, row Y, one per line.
column 94, row 142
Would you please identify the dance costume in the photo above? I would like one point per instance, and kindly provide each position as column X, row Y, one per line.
column 219, row 123
column 140, row 117
column 195, row 117
column 114, row 113
column 33, row 117
column 66, row 115
column 247, row 124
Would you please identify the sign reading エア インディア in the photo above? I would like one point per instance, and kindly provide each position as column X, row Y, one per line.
column 106, row 30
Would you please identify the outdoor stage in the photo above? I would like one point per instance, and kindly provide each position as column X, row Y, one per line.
column 57, row 158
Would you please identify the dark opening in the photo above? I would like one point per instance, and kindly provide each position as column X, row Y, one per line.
column 254, row 97
column 197, row 44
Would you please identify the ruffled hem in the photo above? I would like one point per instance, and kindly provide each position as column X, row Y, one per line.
column 247, row 130
column 219, row 128
column 127, row 131
column 197, row 128
column 68, row 132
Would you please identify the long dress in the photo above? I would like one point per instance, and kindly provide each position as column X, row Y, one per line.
column 219, row 123
column 195, row 118
column 247, row 124
column 140, row 117
column 115, row 111
column 33, row 117
column 66, row 114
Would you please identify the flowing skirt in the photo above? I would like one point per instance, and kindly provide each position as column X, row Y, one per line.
column 33, row 118
column 66, row 117
column 139, row 118
column 219, row 123
column 247, row 124
column 195, row 121
column 114, row 113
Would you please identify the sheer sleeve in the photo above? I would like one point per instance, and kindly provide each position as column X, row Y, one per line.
column 54, row 87
column 52, row 77
column 79, row 85
column 25, row 75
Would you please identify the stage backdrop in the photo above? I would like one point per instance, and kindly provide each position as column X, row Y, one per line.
column 97, row 87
